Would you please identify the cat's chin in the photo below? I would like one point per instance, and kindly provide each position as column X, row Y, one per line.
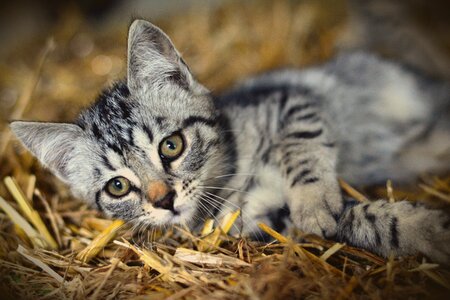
column 179, row 219
column 183, row 216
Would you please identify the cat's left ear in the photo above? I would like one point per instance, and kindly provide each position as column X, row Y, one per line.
column 153, row 59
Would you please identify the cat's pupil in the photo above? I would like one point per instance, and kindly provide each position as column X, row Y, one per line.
column 118, row 185
column 171, row 145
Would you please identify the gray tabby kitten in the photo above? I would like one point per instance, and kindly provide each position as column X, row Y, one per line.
column 158, row 149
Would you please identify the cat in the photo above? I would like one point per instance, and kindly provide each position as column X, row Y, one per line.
column 159, row 148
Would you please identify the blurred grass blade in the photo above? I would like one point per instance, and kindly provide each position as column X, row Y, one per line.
column 149, row 258
column 281, row 238
column 208, row 227
column 202, row 258
column 29, row 211
column 352, row 192
column 18, row 220
column 228, row 221
column 40, row 264
column 302, row 253
column 332, row 250
column 100, row 242
column 213, row 240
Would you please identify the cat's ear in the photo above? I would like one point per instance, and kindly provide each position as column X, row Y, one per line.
column 52, row 143
column 153, row 59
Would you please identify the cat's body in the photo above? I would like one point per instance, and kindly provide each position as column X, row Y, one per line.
column 372, row 118
column 159, row 149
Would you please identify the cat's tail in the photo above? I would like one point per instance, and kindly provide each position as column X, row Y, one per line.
column 398, row 228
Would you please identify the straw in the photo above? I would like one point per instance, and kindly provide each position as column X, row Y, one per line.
column 40, row 264
column 192, row 256
column 34, row 236
column 352, row 192
column 100, row 242
column 213, row 240
column 29, row 211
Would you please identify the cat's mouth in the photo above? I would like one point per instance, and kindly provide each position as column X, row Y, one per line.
column 181, row 214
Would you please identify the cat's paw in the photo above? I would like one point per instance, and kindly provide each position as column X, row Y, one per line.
column 401, row 228
column 316, row 209
column 417, row 229
column 434, row 235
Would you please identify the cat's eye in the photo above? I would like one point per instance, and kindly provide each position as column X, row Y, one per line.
column 171, row 147
column 118, row 186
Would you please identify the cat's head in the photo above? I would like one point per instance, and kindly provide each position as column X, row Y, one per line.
column 146, row 149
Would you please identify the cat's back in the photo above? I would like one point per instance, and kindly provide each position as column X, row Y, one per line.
column 373, row 107
column 352, row 88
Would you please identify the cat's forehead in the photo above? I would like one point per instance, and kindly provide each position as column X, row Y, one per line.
column 172, row 100
column 117, row 107
column 119, row 119
column 110, row 113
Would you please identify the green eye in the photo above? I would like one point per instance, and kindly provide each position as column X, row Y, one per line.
column 118, row 186
column 171, row 147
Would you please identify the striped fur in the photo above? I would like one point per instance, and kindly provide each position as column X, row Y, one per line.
column 274, row 147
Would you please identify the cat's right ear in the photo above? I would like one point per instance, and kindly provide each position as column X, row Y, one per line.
column 54, row 144
column 153, row 60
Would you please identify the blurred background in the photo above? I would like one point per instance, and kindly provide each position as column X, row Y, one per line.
column 57, row 55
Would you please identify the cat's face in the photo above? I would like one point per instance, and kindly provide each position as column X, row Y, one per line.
column 147, row 149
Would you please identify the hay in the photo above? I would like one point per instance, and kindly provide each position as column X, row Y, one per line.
column 52, row 246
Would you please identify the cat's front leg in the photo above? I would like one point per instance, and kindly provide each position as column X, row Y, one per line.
column 308, row 162
column 313, row 192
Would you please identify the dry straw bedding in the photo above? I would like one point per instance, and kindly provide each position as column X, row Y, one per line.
column 52, row 246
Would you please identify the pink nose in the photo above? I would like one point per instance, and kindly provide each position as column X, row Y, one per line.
column 160, row 196
column 156, row 191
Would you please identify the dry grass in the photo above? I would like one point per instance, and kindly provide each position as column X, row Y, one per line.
column 54, row 247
